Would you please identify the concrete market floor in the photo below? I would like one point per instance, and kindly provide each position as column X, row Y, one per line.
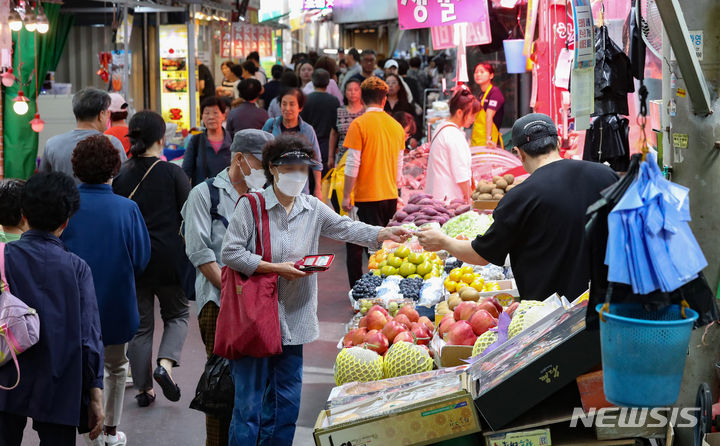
column 176, row 424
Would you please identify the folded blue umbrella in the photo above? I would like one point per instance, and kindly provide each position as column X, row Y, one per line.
column 650, row 244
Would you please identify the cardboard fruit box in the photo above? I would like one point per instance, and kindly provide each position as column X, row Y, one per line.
column 426, row 422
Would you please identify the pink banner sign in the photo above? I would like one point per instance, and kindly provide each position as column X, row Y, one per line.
column 477, row 34
column 413, row 14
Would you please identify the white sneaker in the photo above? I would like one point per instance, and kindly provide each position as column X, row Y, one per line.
column 116, row 440
column 99, row 441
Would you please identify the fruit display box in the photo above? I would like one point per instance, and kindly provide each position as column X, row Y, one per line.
column 529, row 368
column 422, row 423
column 449, row 355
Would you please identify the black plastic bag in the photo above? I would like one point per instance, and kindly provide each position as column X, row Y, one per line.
column 215, row 392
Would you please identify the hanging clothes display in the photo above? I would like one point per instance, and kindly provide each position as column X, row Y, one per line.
column 607, row 141
column 658, row 236
column 613, row 76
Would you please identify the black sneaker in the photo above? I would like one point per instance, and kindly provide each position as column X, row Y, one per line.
column 169, row 388
column 144, row 399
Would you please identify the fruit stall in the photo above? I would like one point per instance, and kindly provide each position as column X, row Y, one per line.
column 432, row 333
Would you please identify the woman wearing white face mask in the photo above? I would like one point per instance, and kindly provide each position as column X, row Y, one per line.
column 206, row 213
column 267, row 390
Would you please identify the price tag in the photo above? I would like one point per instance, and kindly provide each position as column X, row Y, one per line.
column 681, row 92
column 680, row 140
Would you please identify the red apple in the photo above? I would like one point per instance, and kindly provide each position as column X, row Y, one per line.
column 392, row 329
column 427, row 322
column 404, row 320
column 461, row 333
column 377, row 342
column 359, row 336
column 511, row 309
column 445, row 325
column 376, row 320
column 363, row 322
column 489, row 307
column 347, row 339
column 422, row 334
column 379, row 308
column 410, row 312
column 482, row 321
column 404, row 336
column 465, row 310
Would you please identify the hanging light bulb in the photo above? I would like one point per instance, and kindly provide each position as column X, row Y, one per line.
column 14, row 20
column 37, row 124
column 20, row 103
column 42, row 23
column 8, row 78
column 30, row 24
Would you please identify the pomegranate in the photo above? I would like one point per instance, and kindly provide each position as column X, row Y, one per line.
column 392, row 329
column 363, row 322
column 410, row 312
column 482, row 321
column 489, row 307
column 403, row 320
column 376, row 320
column 427, row 322
column 347, row 339
column 461, row 333
column 377, row 342
column 445, row 325
column 465, row 310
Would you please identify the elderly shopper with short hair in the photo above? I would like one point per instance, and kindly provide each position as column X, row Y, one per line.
column 206, row 213
column 267, row 390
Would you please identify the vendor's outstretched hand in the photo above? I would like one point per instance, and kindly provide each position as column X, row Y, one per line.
column 431, row 239
column 396, row 234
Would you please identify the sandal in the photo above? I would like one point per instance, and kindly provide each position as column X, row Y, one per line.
column 144, row 399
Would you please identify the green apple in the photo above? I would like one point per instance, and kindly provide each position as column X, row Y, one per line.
column 424, row 268
column 415, row 258
column 395, row 262
column 407, row 269
column 402, row 252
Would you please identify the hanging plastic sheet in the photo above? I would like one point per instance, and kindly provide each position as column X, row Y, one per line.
column 613, row 76
column 607, row 141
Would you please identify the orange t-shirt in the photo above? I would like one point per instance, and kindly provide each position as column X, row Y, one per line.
column 379, row 138
column 121, row 133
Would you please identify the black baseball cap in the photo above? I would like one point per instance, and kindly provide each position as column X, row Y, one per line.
column 294, row 158
column 534, row 131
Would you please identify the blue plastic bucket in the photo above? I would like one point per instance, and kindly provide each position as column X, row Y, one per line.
column 516, row 60
column 643, row 353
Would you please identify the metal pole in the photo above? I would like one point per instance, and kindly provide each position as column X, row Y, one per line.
column 191, row 67
column 146, row 64
column 126, row 65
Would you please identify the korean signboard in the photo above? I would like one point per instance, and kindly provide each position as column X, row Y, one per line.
column 318, row 4
column 584, row 34
column 414, row 14
column 239, row 39
column 476, row 34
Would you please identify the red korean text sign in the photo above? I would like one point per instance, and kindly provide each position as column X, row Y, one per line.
column 413, row 14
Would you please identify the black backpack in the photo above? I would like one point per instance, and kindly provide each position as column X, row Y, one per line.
column 215, row 201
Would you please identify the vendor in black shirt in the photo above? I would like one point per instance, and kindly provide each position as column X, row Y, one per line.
column 541, row 222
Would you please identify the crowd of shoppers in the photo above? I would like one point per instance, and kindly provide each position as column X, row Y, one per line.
column 116, row 228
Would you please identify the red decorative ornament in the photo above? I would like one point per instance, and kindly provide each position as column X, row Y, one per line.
column 37, row 124
column 8, row 78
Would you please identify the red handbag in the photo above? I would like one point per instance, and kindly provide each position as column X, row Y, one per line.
column 248, row 323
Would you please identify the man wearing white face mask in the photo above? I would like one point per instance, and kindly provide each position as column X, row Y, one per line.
column 206, row 213
column 267, row 390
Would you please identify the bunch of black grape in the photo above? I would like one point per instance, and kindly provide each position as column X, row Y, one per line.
column 451, row 264
column 366, row 287
column 410, row 288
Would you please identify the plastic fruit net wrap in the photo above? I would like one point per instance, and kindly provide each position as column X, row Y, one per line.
column 404, row 358
column 513, row 355
column 358, row 364
column 355, row 401
column 484, row 341
column 468, row 225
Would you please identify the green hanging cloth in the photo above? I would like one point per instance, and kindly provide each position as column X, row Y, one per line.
column 20, row 141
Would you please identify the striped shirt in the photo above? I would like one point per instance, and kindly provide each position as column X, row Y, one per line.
column 292, row 237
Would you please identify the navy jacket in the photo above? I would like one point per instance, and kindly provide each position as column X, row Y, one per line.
column 201, row 162
column 109, row 233
column 67, row 361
